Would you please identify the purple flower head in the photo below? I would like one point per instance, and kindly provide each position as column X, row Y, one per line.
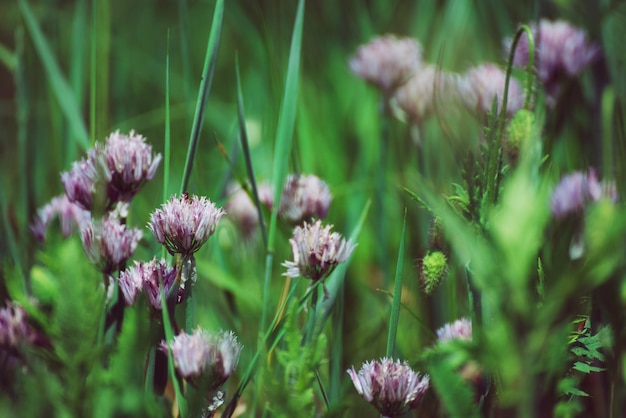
column 131, row 164
column 154, row 274
column 303, row 198
column 393, row 388
column 14, row 327
column 387, row 61
column 184, row 223
column 461, row 329
column 562, row 50
column 109, row 243
column 417, row 97
column 205, row 360
column 576, row 190
column 316, row 251
column 70, row 214
column 85, row 177
column 480, row 85
column 241, row 209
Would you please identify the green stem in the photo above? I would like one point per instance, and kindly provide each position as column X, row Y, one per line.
column 397, row 296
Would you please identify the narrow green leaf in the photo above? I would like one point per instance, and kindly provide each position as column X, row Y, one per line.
column 397, row 296
column 210, row 61
column 8, row 58
column 60, row 87
column 169, row 337
column 168, row 131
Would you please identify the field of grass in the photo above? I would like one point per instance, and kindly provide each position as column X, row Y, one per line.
column 460, row 212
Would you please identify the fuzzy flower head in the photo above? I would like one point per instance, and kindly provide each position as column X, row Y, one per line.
column 14, row 327
column 461, row 329
column 392, row 387
column 480, row 85
column 149, row 277
column 87, row 177
column 131, row 164
column 562, row 50
column 205, row 360
column 387, row 62
column 70, row 214
column 316, row 251
column 428, row 85
column 109, row 243
column 304, row 198
column 241, row 209
column 433, row 269
column 184, row 224
column 576, row 190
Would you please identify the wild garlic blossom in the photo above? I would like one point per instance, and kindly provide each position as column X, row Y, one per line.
column 204, row 359
column 184, row 224
column 109, row 243
column 392, row 387
column 576, row 190
column 461, row 329
column 304, row 197
column 480, row 85
column 149, row 276
column 85, row 177
column 387, row 62
column 241, row 209
column 14, row 327
column 71, row 216
column 316, row 251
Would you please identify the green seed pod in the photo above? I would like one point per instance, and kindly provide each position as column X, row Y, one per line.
column 520, row 131
column 434, row 268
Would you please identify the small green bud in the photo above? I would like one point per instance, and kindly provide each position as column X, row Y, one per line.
column 434, row 268
column 519, row 132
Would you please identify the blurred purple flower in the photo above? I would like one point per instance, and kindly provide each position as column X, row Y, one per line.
column 304, row 197
column 70, row 214
column 387, row 62
column 203, row 359
column 85, row 177
column 393, row 388
column 461, row 329
column 109, row 243
column 562, row 50
column 316, row 251
column 480, row 85
column 576, row 190
column 241, row 210
column 14, row 327
column 184, row 224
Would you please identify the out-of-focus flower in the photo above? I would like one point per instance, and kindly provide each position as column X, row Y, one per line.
column 109, row 243
column 480, row 85
column 148, row 276
column 131, row 164
column 85, row 177
column 576, row 190
column 205, row 360
column 428, row 86
column 316, row 251
column 433, row 269
column 241, row 209
column 70, row 214
column 392, row 387
column 461, row 329
column 387, row 62
column 562, row 50
column 184, row 224
column 14, row 328
column 304, row 197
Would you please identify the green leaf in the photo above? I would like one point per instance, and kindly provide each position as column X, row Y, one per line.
column 397, row 296
column 587, row 368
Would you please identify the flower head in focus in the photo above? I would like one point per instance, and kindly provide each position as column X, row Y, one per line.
column 392, row 387
column 205, row 360
column 461, row 329
column 149, row 276
column 70, row 214
column 480, row 85
column 316, row 251
column 184, row 224
column 109, row 243
column 387, row 62
column 304, row 197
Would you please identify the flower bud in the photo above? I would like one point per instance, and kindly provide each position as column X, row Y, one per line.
column 434, row 268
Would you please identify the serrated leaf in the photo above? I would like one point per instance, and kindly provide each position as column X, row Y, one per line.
column 587, row 368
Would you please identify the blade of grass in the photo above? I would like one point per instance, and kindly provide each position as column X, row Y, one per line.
column 8, row 58
column 210, row 61
column 246, row 152
column 77, row 70
column 62, row 90
column 21, row 113
column 92, row 71
column 168, row 131
column 397, row 296
column 282, row 146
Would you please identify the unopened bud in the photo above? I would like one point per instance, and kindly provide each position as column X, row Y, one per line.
column 434, row 268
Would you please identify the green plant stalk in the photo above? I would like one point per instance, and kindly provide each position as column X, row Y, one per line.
column 21, row 113
column 168, row 130
column 183, row 21
column 381, row 188
column 607, row 112
column 77, row 70
column 397, row 296
column 336, row 350
column 494, row 148
column 93, row 61
column 243, row 135
column 210, row 61
column 103, row 55
column 60, row 87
